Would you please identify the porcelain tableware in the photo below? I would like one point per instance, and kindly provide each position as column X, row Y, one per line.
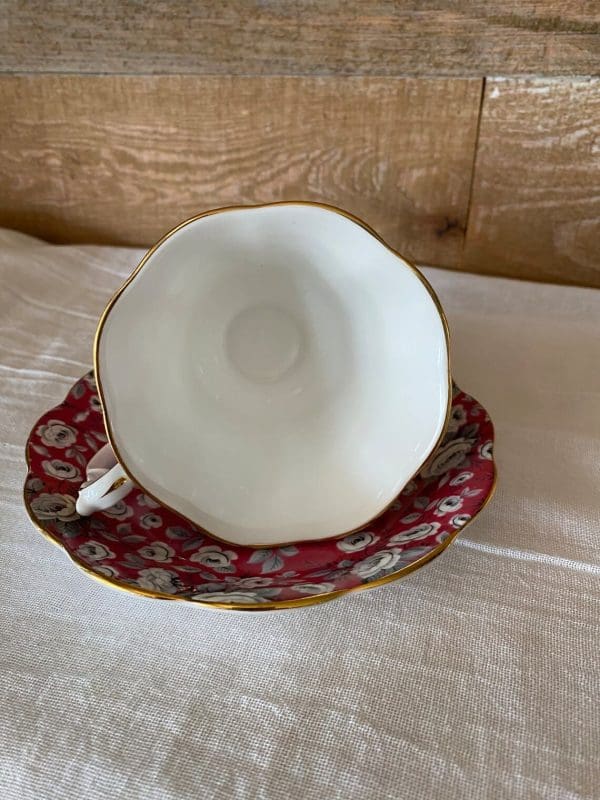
column 273, row 374
column 142, row 547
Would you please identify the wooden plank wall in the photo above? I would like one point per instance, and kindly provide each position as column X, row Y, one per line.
column 466, row 132
column 122, row 159
column 535, row 206
column 305, row 37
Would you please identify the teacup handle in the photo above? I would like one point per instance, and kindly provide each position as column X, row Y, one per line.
column 106, row 483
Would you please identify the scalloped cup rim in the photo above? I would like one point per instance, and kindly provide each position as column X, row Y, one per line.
column 305, row 462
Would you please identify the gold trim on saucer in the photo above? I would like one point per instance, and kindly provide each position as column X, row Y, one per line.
column 150, row 252
column 273, row 605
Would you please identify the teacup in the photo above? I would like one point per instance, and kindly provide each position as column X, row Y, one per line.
column 295, row 374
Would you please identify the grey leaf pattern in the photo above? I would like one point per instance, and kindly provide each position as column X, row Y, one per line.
column 178, row 533
column 80, row 459
column 272, row 564
column 124, row 528
column 133, row 560
column 271, row 591
column 91, row 443
column 110, row 536
column 258, row 556
column 192, row 543
column 208, row 576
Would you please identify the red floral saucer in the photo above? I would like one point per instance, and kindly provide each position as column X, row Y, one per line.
column 139, row 546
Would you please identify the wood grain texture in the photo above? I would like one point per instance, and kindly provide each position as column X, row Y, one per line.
column 311, row 37
column 535, row 210
column 122, row 159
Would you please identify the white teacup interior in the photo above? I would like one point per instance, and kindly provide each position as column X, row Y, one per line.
column 274, row 373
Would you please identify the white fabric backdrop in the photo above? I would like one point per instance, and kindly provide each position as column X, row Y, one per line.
column 476, row 677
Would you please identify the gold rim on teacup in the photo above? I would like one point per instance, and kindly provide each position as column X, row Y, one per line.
column 129, row 473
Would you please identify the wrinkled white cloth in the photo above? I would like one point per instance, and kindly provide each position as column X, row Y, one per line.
column 476, row 677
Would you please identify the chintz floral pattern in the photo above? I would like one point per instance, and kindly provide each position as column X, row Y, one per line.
column 157, row 579
column 61, row 469
column 94, row 551
column 422, row 531
column 55, row 433
column 215, row 557
column 142, row 545
column 60, row 507
column 157, row 551
column 357, row 541
column 377, row 563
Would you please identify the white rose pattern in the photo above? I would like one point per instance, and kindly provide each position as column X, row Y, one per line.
column 418, row 532
column 357, row 541
column 157, row 579
column 54, row 506
column 157, row 551
column 151, row 521
column 215, row 557
column 56, row 434
column 486, row 451
column 377, row 562
column 61, row 469
column 94, row 551
column 448, row 505
column 120, row 510
column 254, row 583
column 461, row 478
column 447, row 457
column 460, row 520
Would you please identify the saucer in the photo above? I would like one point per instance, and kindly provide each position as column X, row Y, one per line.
column 261, row 374
column 144, row 548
